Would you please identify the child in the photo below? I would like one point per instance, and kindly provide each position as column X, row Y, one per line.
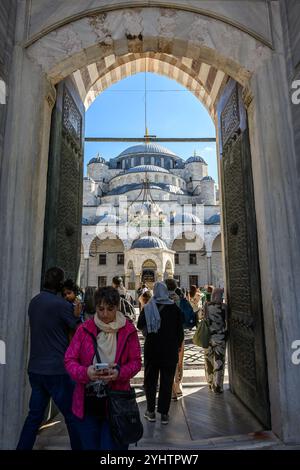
column 71, row 293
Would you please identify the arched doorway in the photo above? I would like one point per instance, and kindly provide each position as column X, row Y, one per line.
column 60, row 47
column 149, row 275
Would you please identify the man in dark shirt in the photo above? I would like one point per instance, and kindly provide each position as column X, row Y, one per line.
column 50, row 317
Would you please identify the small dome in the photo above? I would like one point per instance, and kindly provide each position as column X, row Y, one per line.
column 213, row 220
column 208, row 178
column 186, row 218
column 147, row 168
column 149, row 242
column 195, row 159
column 97, row 159
column 150, row 148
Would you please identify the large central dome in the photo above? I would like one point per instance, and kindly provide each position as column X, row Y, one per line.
column 149, row 148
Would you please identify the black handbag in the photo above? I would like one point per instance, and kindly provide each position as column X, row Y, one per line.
column 124, row 416
column 123, row 411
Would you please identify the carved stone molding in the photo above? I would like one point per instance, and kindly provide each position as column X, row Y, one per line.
column 247, row 96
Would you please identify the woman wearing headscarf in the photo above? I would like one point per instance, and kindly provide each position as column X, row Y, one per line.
column 161, row 321
column 118, row 346
column 214, row 355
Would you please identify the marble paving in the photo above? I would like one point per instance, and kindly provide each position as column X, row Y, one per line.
column 200, row 420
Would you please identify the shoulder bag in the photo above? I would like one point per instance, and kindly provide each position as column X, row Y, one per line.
column 123, row 412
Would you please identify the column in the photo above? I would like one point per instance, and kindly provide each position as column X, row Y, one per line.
column 209, row 268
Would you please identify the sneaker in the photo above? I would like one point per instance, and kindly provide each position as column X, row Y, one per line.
column 164, row 419
column 150, row 416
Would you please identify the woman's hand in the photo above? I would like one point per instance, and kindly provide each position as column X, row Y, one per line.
column 113, row 373
column 77, row 308
column 94, row 375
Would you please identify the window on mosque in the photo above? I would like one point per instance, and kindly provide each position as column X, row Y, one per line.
column 102, row 281
column 120, row 258
column 193, row 281
column 147, row 160
column 193, row 258
column 102, row 258
column 176, row 258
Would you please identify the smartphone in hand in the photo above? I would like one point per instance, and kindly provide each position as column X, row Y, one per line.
column 102, row 366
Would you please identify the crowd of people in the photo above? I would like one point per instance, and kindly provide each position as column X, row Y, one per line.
column 85, row 344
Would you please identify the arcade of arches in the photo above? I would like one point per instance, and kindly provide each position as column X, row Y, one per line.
column 240, row 62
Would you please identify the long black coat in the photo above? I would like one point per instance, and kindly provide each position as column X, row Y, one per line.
column 162, row 347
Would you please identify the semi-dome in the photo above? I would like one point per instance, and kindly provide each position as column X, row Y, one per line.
column 147, row 168
column 149, row 242
column 149, row 148
column 195, row 159
column 213, row 220
column 97, row 159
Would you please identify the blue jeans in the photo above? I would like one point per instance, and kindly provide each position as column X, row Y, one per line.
column 60, row 389
column 95, row 434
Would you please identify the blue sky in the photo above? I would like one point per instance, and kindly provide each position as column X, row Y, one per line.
column 172, row 111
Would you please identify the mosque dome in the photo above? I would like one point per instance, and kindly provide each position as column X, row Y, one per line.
column 149, row 242
column 147, row 148
column 147, row 168
column 195, row 159
column 208, row 178
column 97, row 159
column 186, row 218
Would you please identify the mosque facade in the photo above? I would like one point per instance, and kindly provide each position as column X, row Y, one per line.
column 148, row 214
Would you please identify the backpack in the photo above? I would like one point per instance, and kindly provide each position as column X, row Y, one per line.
column 189, row 316
column 127, row 309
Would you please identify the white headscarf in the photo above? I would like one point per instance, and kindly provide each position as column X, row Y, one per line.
column 152, row 315
column 107, row 338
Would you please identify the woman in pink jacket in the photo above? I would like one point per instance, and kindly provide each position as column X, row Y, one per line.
column 117, row 345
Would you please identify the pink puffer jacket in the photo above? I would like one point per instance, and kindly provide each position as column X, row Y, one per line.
column 80, row 353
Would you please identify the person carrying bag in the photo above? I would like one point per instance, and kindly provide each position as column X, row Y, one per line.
column 202, row 335
column 122, row 408
column 103, row 402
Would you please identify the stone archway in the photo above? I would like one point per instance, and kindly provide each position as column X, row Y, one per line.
column 102, row 263
column 64, row 46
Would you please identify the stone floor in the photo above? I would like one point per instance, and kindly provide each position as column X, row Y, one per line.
column 200, row 420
